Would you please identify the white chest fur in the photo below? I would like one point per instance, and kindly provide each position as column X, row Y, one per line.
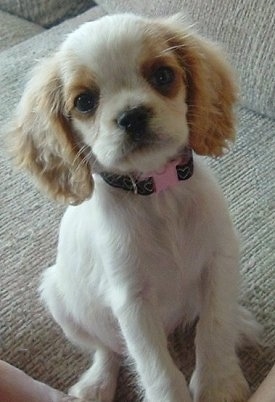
column 120, row 245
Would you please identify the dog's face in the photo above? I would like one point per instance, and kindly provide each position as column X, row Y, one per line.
column 125, row 92
column 128, row 93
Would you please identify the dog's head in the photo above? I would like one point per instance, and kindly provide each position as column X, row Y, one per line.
column 126, row 93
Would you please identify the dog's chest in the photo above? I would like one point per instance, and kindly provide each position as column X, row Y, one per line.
column 159, row 249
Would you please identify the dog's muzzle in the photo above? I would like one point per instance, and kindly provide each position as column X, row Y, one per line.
column 135, row 122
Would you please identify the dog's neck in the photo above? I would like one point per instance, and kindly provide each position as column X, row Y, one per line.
column 169, row 176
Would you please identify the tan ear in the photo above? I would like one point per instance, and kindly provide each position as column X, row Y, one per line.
column 211, row 93
column 42, row 140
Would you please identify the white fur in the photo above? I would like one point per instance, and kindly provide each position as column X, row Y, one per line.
column 129, row 268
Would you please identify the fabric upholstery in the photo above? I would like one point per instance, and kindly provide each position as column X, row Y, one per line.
column 14, row 30
column 246, row 30
column 29, row 223
column 45, row 12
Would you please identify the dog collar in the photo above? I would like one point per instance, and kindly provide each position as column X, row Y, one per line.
column 155, row 182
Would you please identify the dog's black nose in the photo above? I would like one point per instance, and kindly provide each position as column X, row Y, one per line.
column 135, row 122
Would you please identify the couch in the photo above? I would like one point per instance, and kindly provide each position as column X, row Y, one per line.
column 29, row 222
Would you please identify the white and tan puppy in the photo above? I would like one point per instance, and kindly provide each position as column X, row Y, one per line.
column 114, row 121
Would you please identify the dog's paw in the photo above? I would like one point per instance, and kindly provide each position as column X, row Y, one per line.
column 233, row 388
column 91, row 392
column 87, row 393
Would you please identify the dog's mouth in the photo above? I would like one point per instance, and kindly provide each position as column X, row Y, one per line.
column 145, row 156
column 151, row 144
column 144, row 144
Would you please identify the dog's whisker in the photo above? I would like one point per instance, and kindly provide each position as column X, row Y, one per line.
column 84, row 160
column 169, row 49
column 182, row 35
column 80, row 151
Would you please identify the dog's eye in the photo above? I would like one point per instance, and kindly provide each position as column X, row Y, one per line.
column 86, row 102
column 163, row 76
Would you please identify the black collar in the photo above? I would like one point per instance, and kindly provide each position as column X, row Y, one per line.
column 174, row 172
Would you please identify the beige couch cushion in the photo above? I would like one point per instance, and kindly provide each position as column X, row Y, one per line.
column 246, row 29
column 46, row 12
column 14, row 30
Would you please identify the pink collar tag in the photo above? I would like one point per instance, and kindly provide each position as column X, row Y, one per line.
column 165, row 177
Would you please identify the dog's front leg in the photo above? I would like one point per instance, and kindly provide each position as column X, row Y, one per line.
column 218, row 376
column 147, row 344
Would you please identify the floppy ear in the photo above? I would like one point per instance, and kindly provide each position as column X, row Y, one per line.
column 211, row 92
column 41, row 138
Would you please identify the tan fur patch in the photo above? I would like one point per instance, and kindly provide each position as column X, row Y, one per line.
column 211, row 95
column 208, row 80
column 43, row 141
column 151, row 65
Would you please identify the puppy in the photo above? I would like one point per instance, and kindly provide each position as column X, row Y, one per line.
column 113, row 123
